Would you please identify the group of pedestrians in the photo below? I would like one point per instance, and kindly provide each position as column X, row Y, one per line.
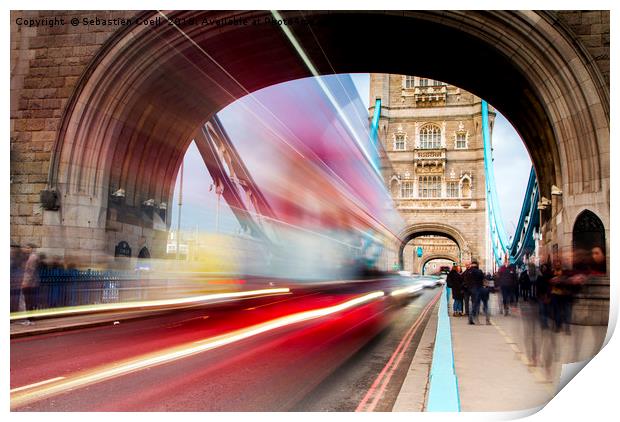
column 470, row 290
column 549, row 290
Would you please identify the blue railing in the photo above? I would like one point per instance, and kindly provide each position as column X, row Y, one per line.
column 60, row 288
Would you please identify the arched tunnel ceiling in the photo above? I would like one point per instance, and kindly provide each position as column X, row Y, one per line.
column 164, row 83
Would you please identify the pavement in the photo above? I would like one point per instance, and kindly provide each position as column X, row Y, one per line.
column 507, row 366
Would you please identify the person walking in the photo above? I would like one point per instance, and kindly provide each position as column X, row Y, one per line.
column 543, row 294
column 30, row 280
column 454, row 280
column 474, row 278
column 507, row 280
column 467, row 292
column 525, row 285
column 17, row 273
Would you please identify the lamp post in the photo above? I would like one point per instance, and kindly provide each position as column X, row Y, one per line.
column 179, row 216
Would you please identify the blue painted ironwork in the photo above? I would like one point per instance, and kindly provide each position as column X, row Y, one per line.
column 374, row 131
column 523, row 239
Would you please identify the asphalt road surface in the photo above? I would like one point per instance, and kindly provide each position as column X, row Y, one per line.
column 312, row 350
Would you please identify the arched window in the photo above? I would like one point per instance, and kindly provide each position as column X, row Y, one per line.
column 466, row 187
column 122, row 249
column 589, row 243
column 430, row 137
column 394, row 184
column 144, row 253
column 429, row 186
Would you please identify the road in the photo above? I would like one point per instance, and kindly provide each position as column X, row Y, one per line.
column 325, row 350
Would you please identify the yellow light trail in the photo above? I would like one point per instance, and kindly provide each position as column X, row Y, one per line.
column 75, row 310
column 24, row 395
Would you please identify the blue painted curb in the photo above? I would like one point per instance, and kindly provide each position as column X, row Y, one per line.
column 443, row 395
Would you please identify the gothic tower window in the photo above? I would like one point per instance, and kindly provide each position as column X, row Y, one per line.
column 460, row 137
column 399, row 142
column 430, row 82
column 452, row 189
column 429, row 186
column 406, row 190
column 430, row 137
column 461, row 140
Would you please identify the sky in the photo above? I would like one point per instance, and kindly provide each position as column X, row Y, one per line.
column 511, row 162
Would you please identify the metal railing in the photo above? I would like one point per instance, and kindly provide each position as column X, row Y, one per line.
column 60, row 287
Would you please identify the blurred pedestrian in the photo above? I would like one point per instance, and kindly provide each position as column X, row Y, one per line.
column 543, row 294
column 30, row 280
column 598, row 261
column 562, row 292
column 454, row 280
column 507, row 280
column 474, row 278
column 525, row 285
column 467, row 291
column 17, row 274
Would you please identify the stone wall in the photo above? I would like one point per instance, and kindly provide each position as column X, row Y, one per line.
column 46, row 65
column 591, row 28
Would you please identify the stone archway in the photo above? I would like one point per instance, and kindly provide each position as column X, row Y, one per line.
column 434, row 257
column 436, row 229
column 127, row 120
column 588, row 233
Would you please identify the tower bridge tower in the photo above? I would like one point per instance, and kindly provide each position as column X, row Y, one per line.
column 434, row 167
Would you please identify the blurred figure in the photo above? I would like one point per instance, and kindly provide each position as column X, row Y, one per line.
column 467, row 291
column 543, row 294
column 507, row 280
column 17, row 274
column 525, row 285
column 564, row 286
column 474, row 278
column 599, row 261
column 30, row 280
column 42, row 272
column 454, row 280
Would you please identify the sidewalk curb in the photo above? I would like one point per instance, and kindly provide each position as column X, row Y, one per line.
column 443, row 394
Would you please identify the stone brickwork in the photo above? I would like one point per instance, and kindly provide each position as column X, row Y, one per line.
column 46, row 64
column 591, row 27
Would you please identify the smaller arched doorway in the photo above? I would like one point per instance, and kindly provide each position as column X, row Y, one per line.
column 435, row 263
column 434, row 240
column 589, row 251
